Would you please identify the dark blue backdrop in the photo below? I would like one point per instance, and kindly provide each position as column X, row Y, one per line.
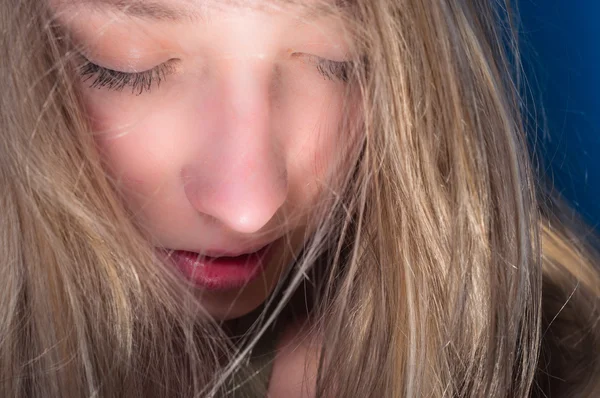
column 561, row 50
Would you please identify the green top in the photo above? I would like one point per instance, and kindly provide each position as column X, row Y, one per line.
column 263, row 355
column 259, row 369
column 260, row 361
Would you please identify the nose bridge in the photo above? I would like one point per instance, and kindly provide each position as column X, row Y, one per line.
column 245, row 182
column 245, row 88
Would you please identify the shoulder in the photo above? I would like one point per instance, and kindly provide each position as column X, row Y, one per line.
column 294, row 373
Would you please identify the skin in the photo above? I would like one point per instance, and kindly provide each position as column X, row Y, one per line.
column 240, row 140
column 235, row 147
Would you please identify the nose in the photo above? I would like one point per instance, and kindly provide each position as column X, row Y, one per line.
column 240, row 176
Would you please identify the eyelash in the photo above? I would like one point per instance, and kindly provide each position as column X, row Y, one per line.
column 143, row 81
column 117, row 81
column 332, row 70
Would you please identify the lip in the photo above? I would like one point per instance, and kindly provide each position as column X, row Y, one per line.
column 216, row 253
column 221, row 271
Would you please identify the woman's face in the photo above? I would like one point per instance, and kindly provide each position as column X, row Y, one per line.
column 221, row 125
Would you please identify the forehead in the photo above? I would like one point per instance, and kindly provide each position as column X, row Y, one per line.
column 180, row 10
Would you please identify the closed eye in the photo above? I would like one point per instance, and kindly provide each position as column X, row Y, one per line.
column 332, row 70
column 139, row 82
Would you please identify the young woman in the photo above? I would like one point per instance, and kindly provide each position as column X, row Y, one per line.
column 308, row 198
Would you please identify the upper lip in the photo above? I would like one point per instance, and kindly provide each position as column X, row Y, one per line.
column 227, row 253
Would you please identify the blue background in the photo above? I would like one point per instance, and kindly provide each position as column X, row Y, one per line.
column 560, row 42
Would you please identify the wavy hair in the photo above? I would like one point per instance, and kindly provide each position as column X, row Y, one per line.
column 452, row 268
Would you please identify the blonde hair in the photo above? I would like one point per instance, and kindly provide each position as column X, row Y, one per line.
column 449, row 271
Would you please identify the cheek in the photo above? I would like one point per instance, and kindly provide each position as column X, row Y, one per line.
column 145, row 143
column 320, row 151
column 134, row 151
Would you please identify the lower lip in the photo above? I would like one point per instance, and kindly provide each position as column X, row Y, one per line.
column 220, row 273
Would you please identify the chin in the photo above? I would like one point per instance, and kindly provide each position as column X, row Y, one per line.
column 237, row 308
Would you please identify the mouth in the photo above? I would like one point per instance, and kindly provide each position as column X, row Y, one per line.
column 219, row 272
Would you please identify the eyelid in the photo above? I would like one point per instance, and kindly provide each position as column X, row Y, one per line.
column 329, row 68
column 86, row 59
column 112, row 79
